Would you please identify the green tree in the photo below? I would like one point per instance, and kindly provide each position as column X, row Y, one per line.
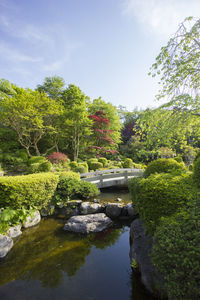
column 52, row 86
column 111, row 114
column 76, row 124
column 31, row 115
column 178, row 65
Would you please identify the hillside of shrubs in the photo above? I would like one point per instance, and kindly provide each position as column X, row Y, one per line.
column 167, row 200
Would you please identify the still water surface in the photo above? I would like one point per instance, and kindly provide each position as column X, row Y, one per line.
column 48, row 263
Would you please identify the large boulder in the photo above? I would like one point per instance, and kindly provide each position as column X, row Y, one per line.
column 87, row 208
column 88, row 223
column 113, row 210
column 140, row 250
column 6, row 243
column 32, row 220
column 14, row 231
column 129, row 210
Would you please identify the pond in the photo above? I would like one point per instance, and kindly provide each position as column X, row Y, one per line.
column 48, row 263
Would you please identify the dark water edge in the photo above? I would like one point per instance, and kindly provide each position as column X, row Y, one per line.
column 48, row 263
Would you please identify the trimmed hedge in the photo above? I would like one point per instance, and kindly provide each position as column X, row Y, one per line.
column 176, row 254
column 165, row 165
column 128, row 163
column 71, row 188
column 160, row 195
column 103, row 160
column 34, row 190
column 96, row 165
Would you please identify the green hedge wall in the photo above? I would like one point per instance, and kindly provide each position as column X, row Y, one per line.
column 176, row 254
column 165, row 165
column 161, row 195
column 35, row 190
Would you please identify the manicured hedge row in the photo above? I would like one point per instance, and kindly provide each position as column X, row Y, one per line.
column 176, row 253
column 35, row 190
column 160, row 195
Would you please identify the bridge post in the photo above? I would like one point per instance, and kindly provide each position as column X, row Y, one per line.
column 101, row 180
column 126, row 175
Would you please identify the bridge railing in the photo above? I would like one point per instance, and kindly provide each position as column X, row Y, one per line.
column 105, row 175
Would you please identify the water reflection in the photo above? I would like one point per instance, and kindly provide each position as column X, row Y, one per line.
column 48, row 263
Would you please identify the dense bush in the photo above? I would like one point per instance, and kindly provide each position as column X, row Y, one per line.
column 160, row 195
column 36, row 160
column 69, row 174
column 165, row 165
column 96, row 165
column 91, row 161
column 178, row 159
column 34, row 190
column 196, row 171
column 73, row 165
column 128, row 163
column 57, row 157
column 82, row 168
column 176, row 254
column 103, row 160
column 71, row 188
column 38, row 164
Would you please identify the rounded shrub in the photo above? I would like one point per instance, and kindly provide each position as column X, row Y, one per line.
column 71, row 188
column 160, row 195
column 81, row 169
column 36, row 160
column 45, row 167
column 103, row 160
column 128, row 163
column 178, row 159
column 91, row 161
column 165, row 165
column 176, row 254
column 96, row 165
column 73, row 164
column 57, row 158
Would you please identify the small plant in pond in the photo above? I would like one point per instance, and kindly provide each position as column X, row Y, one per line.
column 134, row 264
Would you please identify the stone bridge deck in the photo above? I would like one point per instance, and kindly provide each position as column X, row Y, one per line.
column 112, row 177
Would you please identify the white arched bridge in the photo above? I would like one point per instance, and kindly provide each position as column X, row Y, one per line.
column 112, row 177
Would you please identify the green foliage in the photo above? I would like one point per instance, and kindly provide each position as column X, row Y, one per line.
column 69, row 187
column 11, row 217
column 196, row 171
column 73, row 164
column 90, row 161
column 178, row 159
column 164, row 165
column 103, row 160
column 52, row 86
column 160, row 195
column 81, row 168
column 34, row 190
column 39, row 164
column 95, row 165
column 176, row 254
column 128, row 163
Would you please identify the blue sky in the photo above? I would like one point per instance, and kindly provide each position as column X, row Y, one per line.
column 106, row 47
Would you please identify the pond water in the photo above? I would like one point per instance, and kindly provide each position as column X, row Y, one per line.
column 108, row 195
column 48, row 263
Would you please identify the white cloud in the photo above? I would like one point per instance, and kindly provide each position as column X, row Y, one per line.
column 161, row 16
column 9, row 53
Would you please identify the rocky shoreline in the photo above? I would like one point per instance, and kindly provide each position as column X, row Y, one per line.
column 83, row 217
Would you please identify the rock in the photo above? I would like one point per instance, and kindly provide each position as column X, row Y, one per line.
column 140, row 250
column 48, row 211
column 88, row 223
column 113, row 210
column 14, row 231
column 71, row 211
column 118, row 199
column 130, row 211
column 96, row 201
column 6, row 243
column 87, row 208
column 32, row 220
column 75, row 202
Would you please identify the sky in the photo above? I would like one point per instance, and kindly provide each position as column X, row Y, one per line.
column 106, row 47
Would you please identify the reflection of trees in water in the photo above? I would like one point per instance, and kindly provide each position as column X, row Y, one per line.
column 45, row 253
